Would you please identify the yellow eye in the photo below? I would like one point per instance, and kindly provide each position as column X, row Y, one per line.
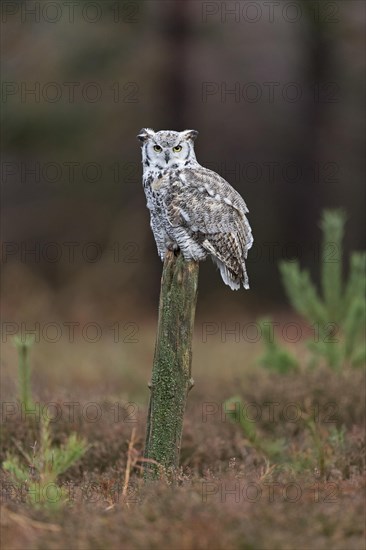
column 157, row 148
column 177, row 149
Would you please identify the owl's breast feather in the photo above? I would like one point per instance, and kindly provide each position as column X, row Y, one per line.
column 158, row 183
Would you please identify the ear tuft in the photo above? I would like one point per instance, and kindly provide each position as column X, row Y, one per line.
column 189, row 134
column 144, row 134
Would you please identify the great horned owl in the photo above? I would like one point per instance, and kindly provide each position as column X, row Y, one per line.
column 193, row 208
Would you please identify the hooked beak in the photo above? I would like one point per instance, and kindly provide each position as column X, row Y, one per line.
column 167, row 156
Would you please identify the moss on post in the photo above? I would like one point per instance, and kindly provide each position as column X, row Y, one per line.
column 171, row 375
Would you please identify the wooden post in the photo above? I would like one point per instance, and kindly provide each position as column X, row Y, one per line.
column 171, row 374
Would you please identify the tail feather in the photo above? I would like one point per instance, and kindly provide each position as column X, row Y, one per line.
column 228, row 278
column 232, row 273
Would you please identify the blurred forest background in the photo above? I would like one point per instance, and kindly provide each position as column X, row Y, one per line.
column 275, row 89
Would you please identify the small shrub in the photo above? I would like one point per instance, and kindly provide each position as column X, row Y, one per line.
column 37, row 474
column 275, row 357
column 337, row 316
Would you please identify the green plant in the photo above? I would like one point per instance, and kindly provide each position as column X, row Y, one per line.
column 275, row 357
column 319, row 445
column 23, row 346
column 38, row 474
column 236, row 410
column 337, row 316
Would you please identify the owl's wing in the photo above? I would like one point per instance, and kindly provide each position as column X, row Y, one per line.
column 213, row 213
column 213, row 183
column 204, row 202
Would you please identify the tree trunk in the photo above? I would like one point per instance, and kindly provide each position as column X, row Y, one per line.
column 171, row 374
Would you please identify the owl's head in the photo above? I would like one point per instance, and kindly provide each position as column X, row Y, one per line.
column 167, row 149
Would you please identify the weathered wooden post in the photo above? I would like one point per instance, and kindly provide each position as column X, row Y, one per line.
column 171, row 375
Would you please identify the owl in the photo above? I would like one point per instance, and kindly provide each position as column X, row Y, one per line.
column 193, row 209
